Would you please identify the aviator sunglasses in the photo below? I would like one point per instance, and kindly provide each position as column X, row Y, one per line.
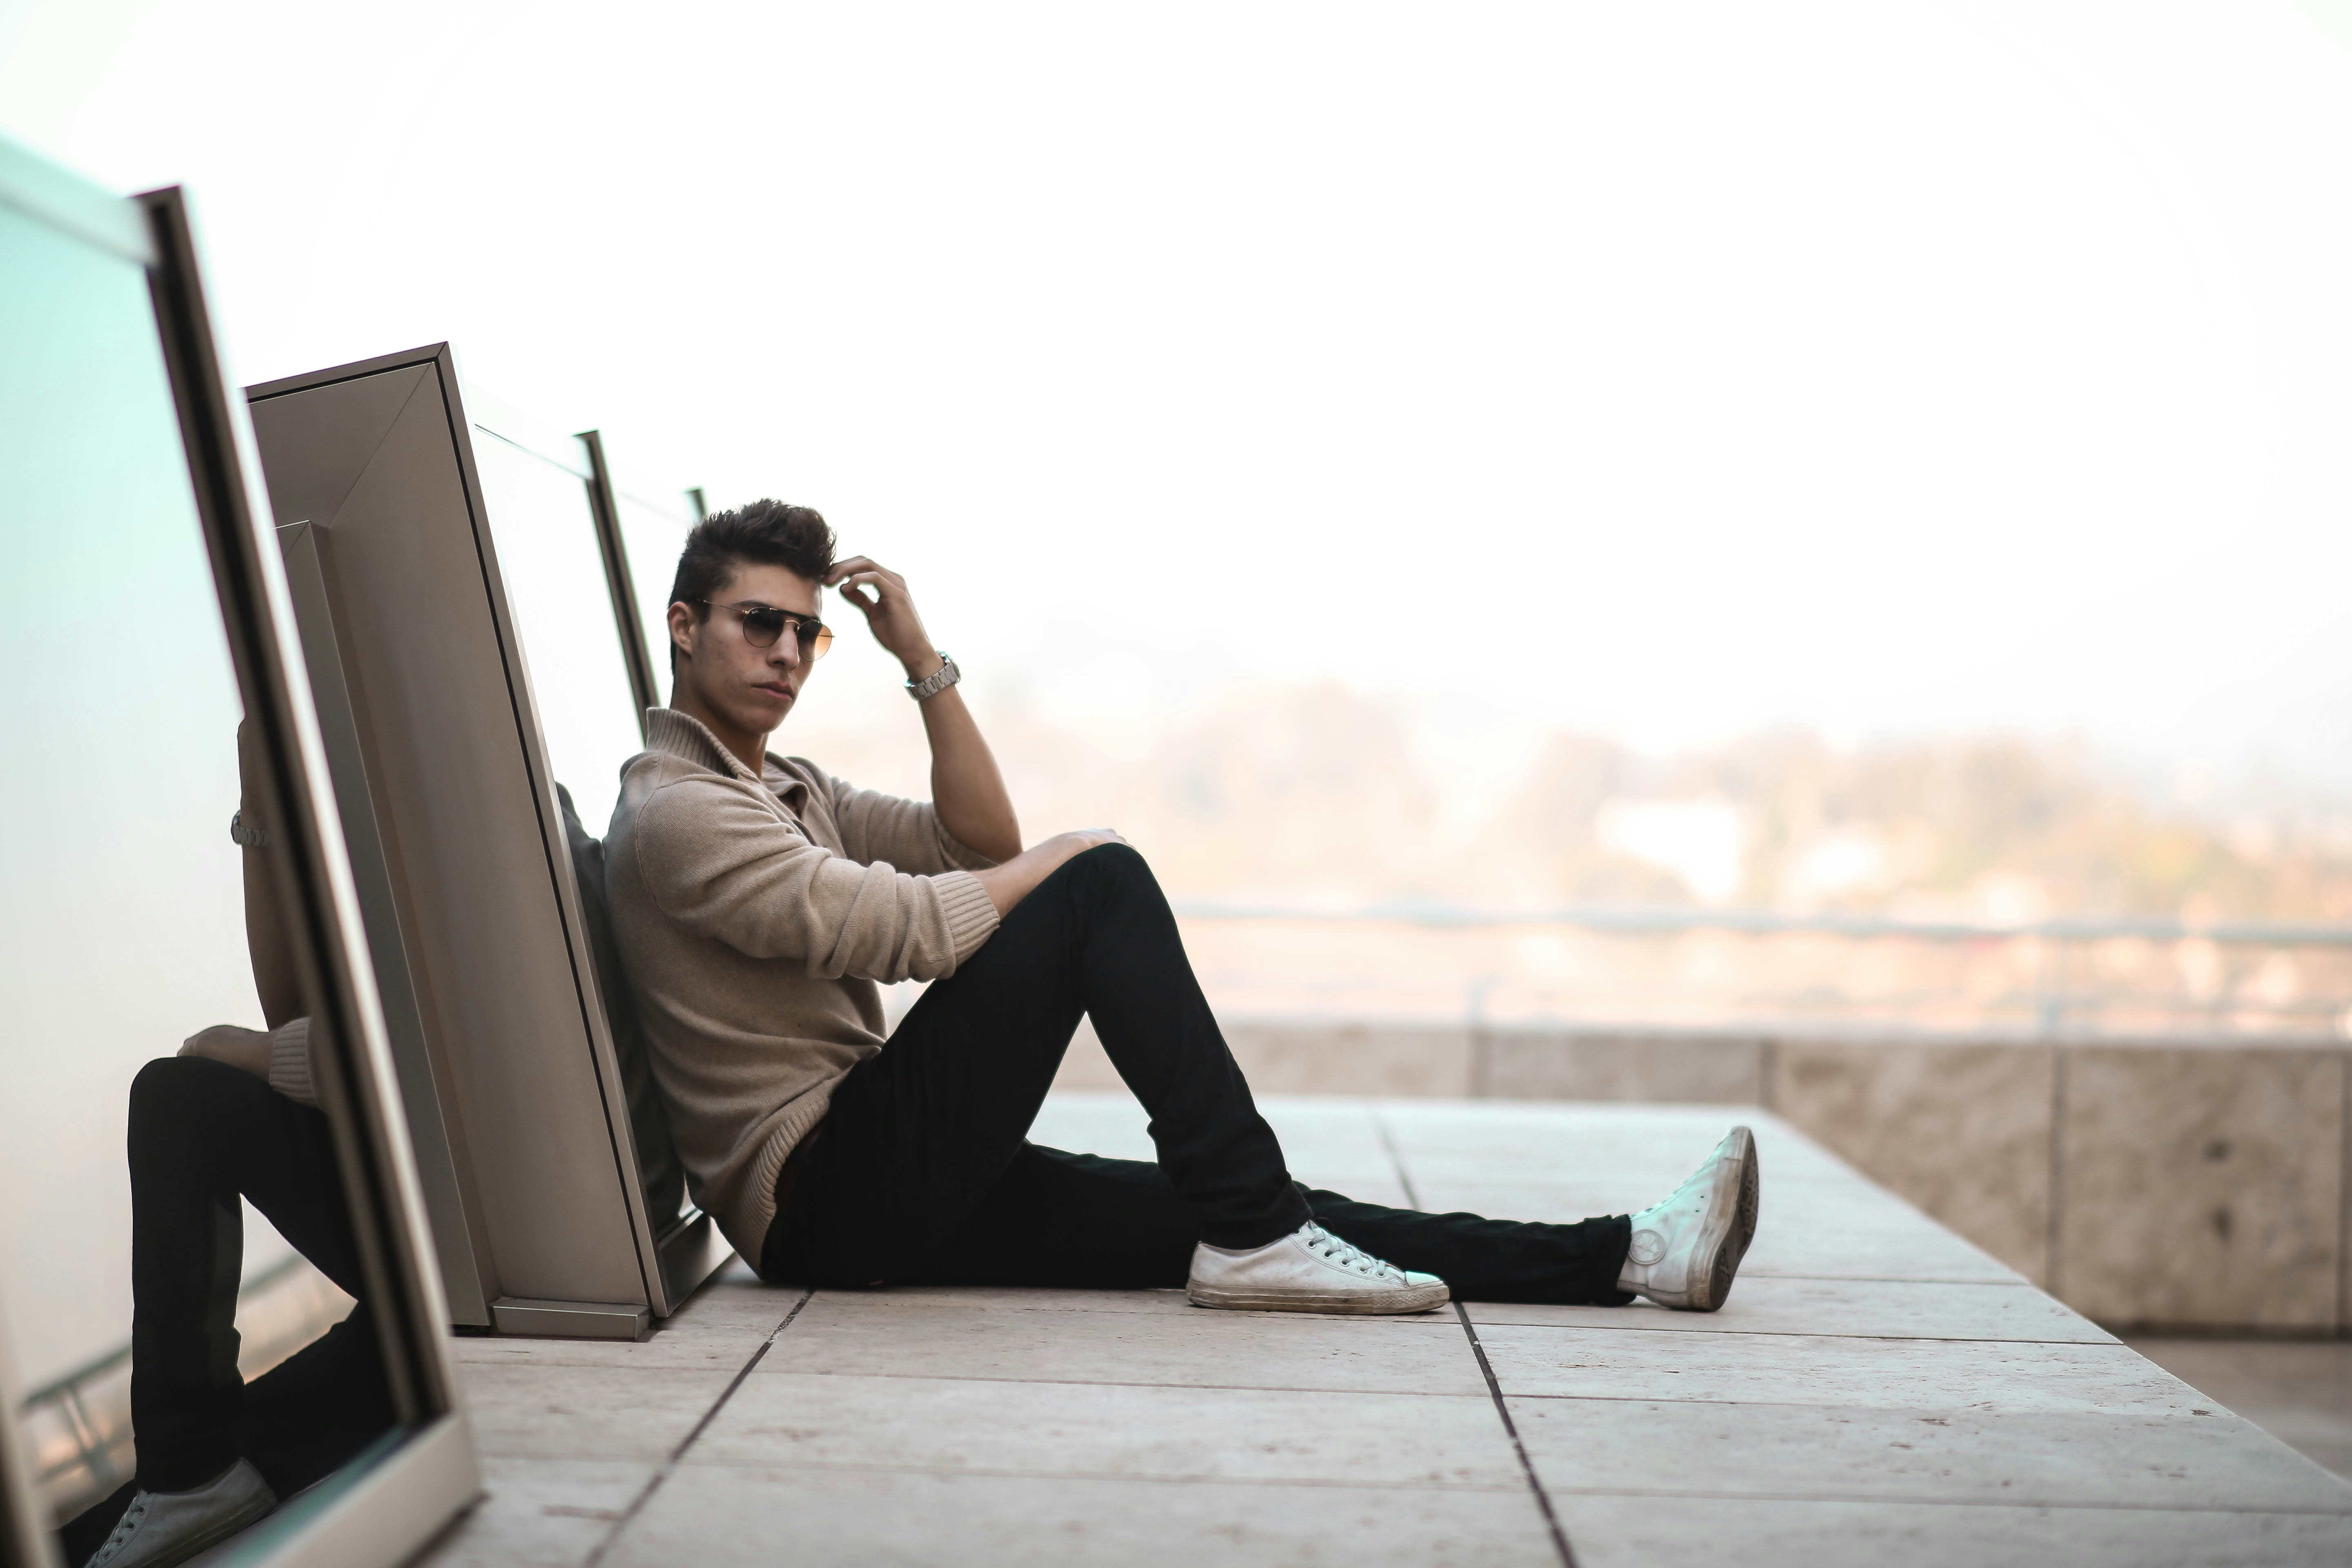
column 763, row 623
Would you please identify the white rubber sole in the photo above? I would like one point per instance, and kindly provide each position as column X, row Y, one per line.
column 1355, row 1304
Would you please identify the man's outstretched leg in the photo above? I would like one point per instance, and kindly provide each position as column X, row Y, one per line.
column 1682, row 1252
column 1065, row 1221
column 917, row 1136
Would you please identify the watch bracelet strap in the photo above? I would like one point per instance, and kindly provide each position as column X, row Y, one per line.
column 938, row 680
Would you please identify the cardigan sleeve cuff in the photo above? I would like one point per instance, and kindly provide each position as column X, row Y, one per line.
column 290, row 1062
column 970, row 913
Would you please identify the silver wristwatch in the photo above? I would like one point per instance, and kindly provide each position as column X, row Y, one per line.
column 938, row 680
column 238, row 833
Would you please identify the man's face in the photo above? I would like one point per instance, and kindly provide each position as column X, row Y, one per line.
column 750, row 687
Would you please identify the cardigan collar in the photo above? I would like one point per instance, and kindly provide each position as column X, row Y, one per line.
column 688, row 739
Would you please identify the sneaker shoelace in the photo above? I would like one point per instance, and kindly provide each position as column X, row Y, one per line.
column 1692, row 1194
column 1685, row 1202
column 124, row 1527
column 1329, row 1248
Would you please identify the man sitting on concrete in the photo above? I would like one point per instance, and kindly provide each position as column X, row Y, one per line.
column 758, row 901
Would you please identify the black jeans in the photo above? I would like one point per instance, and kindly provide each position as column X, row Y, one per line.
column 921, row 1172
column 202, row 1133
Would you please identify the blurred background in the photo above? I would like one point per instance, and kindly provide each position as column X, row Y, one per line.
column 1876, row 458
column 1810, row 534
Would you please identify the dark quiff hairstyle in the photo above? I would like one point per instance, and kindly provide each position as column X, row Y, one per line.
column 765, row 532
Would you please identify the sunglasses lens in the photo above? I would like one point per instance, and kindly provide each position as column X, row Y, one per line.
column 763, row 627
column 815, row 638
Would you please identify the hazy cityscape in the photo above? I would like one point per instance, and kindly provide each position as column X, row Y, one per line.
column 1340, row 855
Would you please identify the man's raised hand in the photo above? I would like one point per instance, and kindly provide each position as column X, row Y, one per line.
column 1062, row 846
column 246, row 1049
column 1009, row 883
column 880, row 594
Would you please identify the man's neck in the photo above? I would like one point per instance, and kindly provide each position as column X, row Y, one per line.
column 749, row 747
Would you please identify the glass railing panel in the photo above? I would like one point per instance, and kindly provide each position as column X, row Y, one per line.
column 124, row 933
column 554, row 569
column 653, row 531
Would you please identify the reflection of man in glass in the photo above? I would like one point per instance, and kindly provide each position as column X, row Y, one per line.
column 233, row 1116
column 757, row 900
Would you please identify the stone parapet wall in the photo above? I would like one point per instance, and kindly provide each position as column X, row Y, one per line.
column 2177, row 1185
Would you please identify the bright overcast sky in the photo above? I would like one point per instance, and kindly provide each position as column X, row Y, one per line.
column 1667, row 371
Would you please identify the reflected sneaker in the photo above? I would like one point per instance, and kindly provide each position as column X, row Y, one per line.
column 1687, row 1249
column 1309, row 1270
column 160, row 1529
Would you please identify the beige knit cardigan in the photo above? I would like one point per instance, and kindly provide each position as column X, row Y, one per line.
column 754, row 916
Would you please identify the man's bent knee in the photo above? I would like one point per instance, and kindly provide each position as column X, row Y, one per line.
column 1121, row 862
column 176, row 1089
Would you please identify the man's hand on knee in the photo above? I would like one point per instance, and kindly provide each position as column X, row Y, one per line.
column 245, row 1049
column 1013, row 881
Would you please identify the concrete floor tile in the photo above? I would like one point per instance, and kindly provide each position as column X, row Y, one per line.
column 1109, row 1123
column 540, row 1513
column 1935, row 1375
column 2215, row 1460
column 1770, row 1304
column 718, row 1516
column 1892, row 1247
column 1335, row 1125
column 1867, row 1351
column 1641, row 1532
column 549, row 1411
column 1117, row 1431
column 869, row 1335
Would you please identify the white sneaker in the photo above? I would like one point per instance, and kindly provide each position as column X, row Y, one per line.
column 160, row 1529
column 1687, row 1249
column 1309, row 1270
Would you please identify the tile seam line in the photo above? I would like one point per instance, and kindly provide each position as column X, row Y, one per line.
column 2108, row 1345
column 1118, row 1477
column 1964, row 1410
column 1795, row 1334
column 1895, row 1280
column 1906, row 1280
column 1916, row 1412
column 678, row 1455
column 1286, row 1390
column 1494, row 1389
column 1511, row 1430
column 1189, row 1313
column 1130, row 1383
column 1908, row 1499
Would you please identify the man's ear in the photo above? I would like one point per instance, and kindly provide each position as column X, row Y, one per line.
column 681, row 628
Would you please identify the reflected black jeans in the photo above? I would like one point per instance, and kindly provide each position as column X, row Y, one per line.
column 203, row 1134
column 921, row 1172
